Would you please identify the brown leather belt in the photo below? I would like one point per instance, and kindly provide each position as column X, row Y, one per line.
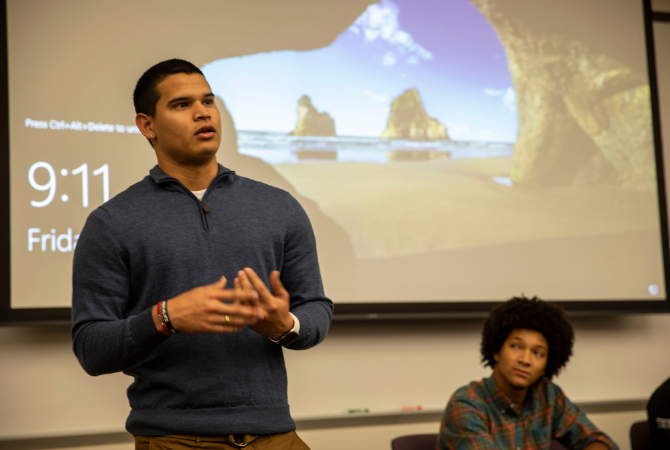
column 236, row 440
column 242, row 440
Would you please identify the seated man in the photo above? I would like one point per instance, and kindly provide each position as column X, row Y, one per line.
column 526, row 342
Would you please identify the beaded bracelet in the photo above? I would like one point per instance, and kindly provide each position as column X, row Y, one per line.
column 166, row 318
column 160, row 317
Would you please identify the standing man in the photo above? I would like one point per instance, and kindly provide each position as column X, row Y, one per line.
column 171, row 279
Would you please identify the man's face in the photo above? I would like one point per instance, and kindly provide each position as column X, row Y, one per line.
column 186, row 124
column 522, row 358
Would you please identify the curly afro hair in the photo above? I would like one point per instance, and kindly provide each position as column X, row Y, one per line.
column 529, row 314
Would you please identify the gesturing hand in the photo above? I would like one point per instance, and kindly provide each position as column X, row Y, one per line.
column 274, row 318
column 202, row 310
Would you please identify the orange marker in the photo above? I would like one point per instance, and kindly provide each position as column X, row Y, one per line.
column 411, row 408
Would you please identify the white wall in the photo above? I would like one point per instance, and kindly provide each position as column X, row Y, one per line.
column 387, row 366
column 44, row 392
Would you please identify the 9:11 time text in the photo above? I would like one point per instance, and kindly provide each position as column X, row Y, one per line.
column 51, row 184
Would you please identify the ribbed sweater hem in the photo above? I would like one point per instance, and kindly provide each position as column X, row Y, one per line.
column 211, row 421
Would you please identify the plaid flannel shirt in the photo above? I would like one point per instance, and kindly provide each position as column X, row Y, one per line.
column 481, row 417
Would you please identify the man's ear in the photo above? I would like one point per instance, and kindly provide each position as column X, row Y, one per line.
column 146, row 125
column 496, row 356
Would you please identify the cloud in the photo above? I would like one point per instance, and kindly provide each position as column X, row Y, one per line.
column 494, row 92
column 380, row 21
column 381, row 98
column 508, row 97
column 389, row 59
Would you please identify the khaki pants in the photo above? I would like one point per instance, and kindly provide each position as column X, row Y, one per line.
column 284, row 441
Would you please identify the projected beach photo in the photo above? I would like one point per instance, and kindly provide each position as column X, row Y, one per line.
column 429, row 131
column 444, row 150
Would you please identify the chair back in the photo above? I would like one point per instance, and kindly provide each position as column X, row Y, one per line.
column 429, row 442
column 640, row 436
column 415, row 442
column 555, row 445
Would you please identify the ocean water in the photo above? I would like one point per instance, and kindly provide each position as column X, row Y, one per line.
column 276, row 148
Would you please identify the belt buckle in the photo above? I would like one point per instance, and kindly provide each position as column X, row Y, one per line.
column 232, row 439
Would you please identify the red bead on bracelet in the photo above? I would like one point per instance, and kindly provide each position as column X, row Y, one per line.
column 160, row 317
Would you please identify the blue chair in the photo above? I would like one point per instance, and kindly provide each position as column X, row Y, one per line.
column 429, row 441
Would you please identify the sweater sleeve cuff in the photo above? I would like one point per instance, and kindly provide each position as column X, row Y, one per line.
column 309, row 336
column 142, row 330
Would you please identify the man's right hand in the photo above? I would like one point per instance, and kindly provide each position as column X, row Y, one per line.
column 202, row 310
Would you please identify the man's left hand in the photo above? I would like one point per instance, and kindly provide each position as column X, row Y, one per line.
column 274, row 318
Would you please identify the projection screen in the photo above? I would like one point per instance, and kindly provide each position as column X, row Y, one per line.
column 449, row 153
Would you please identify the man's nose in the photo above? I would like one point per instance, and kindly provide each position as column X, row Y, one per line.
column 201, row 112
column 524, row 357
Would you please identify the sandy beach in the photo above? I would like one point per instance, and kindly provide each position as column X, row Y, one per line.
column 444, row 230
column 408, row 208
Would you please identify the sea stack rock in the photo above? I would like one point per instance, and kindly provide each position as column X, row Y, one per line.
column 311, row 122
column 408, row 120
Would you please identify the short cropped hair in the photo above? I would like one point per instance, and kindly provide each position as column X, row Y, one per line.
column 146, row 94
column 529, row 314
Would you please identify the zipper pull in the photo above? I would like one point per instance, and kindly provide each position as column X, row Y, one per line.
column 204, row 206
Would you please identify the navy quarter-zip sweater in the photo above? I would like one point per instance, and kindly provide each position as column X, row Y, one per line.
column 155, row 241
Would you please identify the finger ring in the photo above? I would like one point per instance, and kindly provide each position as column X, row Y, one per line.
column 227, row 319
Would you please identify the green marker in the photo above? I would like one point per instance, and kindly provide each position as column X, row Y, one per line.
column 358, row 410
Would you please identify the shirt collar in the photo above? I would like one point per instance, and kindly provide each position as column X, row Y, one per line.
column 502, row 401
column 159, row 176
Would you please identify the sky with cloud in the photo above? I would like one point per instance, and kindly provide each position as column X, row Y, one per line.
column 444, row 48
